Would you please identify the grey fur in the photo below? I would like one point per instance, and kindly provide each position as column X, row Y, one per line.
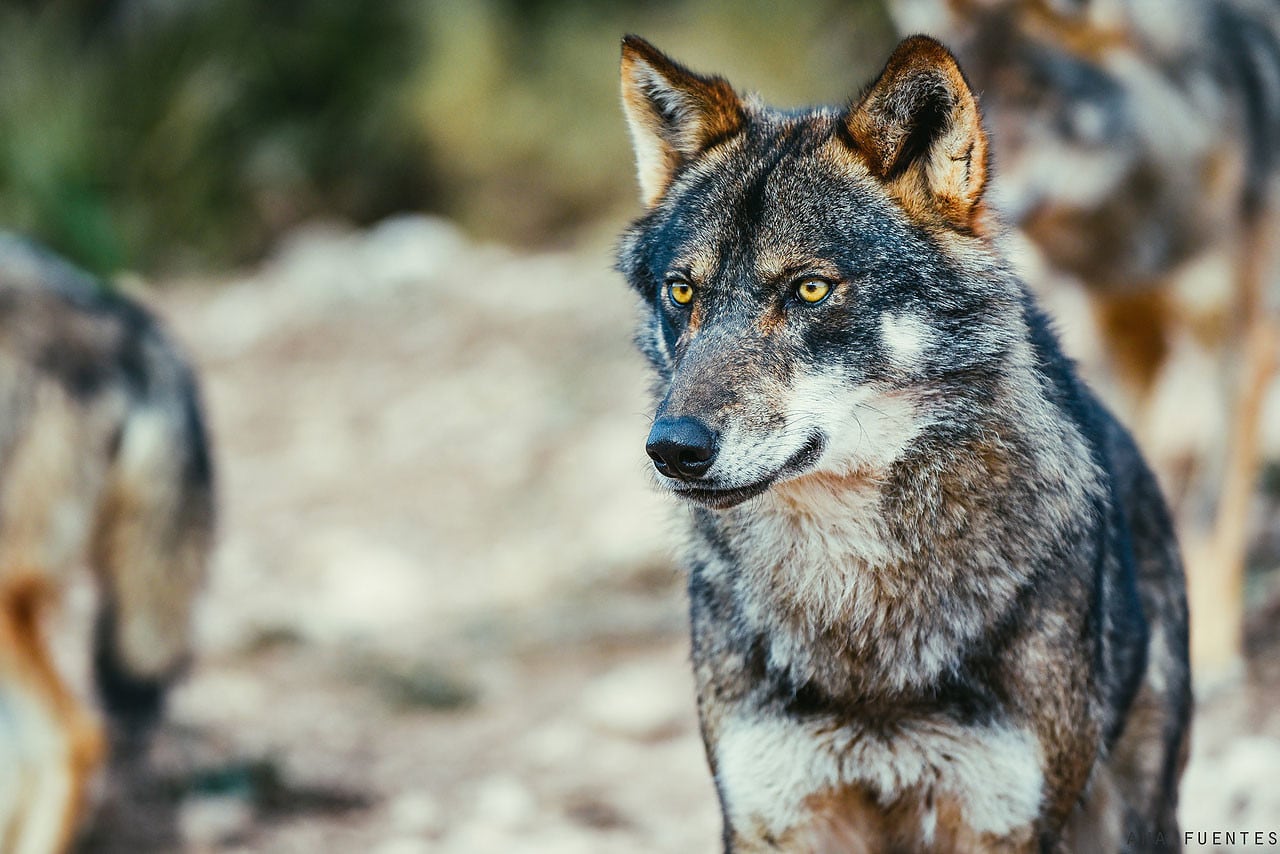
column 924, row 547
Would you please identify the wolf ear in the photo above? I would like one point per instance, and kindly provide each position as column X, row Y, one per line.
column 919, row 129
column 673, row 114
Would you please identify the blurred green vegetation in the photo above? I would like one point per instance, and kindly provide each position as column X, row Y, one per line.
column 188, row 134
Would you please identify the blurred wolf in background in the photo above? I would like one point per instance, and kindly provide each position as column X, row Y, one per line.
column 1137, row 145
column 936, row 599
column 104, row 460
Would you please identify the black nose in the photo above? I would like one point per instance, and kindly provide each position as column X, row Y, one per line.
column 681, row 447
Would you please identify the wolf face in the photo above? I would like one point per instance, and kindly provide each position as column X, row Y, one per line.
column 801, row 317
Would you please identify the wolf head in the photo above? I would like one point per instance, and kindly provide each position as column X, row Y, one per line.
column 820, row 285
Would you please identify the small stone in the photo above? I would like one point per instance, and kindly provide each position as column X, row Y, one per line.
column 415, row 813
column 504, row 802
column 403, row 845
column 214, row 820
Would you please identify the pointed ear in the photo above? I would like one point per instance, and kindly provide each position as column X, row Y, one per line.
column 919, row 129
column 674, row 114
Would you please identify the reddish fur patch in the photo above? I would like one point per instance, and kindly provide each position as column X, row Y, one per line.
column 695, row 316
column 849, row 820
column 1136, row 327
column 674, row 113
column 770, row 321
column 920, row 133
column 26, row 665
column 1077, row 31
column 718, row 107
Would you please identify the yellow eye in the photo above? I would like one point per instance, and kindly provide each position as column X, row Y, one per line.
column 681, row 292
column 813, row 290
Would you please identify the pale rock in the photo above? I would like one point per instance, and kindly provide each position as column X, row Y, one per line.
column 644, row 701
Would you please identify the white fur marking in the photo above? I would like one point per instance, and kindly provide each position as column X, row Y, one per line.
column 35, row 775
column 865, row 427
column 906, row 336
column 929, row 826
column 768, row 768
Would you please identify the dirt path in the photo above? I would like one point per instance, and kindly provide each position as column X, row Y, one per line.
column 442, row 618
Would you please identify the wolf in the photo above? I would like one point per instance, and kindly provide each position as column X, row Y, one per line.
column 1139, row 151
column 104, row 460
column 936, row 599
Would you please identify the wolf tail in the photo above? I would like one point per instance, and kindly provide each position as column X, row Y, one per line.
column 152, row 539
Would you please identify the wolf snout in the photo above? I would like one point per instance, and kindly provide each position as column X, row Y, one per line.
column 682, row 448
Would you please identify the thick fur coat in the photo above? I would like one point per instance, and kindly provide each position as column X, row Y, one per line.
column 936, row 599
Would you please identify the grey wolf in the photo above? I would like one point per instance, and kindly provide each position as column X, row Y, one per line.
column 104, row 460
column 936, row 599
column 1139, row 144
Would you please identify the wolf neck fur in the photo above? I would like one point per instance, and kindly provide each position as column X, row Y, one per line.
column 881, row 580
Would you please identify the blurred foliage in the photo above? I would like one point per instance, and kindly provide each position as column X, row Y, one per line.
column 190, row 133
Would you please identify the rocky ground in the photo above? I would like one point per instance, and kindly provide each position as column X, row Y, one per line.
column 443, row 615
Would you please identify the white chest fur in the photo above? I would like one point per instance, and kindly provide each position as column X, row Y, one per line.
column 767, row 768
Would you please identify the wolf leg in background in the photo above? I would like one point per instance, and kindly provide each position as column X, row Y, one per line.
column 1140, row 152
column 103, row 459
column 1216, row 560
column 937, row 602
column 49, row 746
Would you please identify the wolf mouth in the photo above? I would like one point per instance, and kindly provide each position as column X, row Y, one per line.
column 722, row 498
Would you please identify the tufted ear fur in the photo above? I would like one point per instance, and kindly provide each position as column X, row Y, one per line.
column 674, row 114
column 920, row 132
